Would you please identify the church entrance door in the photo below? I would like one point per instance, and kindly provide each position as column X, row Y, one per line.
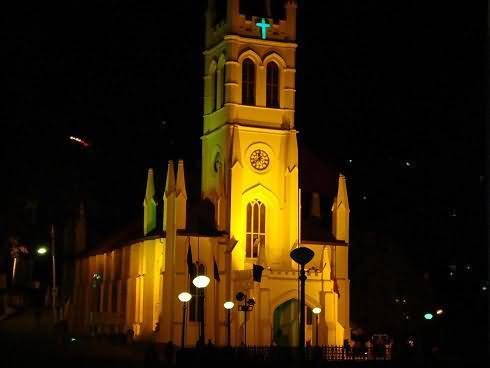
column 286, row 324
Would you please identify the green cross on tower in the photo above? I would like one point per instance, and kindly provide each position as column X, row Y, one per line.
column 263, row 25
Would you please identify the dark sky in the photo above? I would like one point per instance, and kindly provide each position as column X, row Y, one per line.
column 378, row 83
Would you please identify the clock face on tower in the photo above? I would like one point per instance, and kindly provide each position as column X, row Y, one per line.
column 259, row 159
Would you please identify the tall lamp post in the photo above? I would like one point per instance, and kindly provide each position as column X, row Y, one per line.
column 229, row 306
column 247, row 306
column 302, row 256
column 316, row 311
column 53, row 256
column 184, row 297
column 201, row 282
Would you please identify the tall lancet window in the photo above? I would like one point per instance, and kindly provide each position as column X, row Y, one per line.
column 255, row 228
column 223, row 87
column 216, row 89
column 219, row 87
column 248, row 82
column 272, row 85
column 196, row 303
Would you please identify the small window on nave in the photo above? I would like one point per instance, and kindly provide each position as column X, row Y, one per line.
column 255, row 235
column 248, row 82
column 272, row 90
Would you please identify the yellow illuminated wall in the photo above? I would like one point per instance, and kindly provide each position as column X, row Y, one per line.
column 142, row 278
column 232, row 131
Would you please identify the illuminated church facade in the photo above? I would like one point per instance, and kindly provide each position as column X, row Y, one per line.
column 250, row 173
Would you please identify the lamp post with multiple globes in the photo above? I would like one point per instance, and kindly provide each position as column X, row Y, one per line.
column 247, row 306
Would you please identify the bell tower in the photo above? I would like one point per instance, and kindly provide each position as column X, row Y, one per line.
column 249, row 148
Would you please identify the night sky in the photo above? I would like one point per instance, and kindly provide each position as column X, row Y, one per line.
column 396, row 87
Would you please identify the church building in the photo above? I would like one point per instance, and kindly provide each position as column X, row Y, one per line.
column 250, row 175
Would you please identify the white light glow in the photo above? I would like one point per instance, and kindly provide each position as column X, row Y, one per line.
column 184, row 297
column 316, row 310
column 229, row 305
column 201, row 281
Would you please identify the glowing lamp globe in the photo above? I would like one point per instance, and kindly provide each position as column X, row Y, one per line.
column 42, row 250
column 184, row 297
column 316, row 310
column 229, row 305
column 201, row 281
column 428, row 316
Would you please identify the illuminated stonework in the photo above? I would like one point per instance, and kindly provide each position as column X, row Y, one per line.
column 250, row 175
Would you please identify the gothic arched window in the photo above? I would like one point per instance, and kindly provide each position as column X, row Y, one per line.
column 196, row 303
column 223, row 81
column 248, row 82
column 255, row 228
column 216, row 89
column 219, row 87
column 272, row 91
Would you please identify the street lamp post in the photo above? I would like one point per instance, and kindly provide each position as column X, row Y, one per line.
column 302, row 256
column 184, row 297
column 316, row 311
column 247, row 306
column 201, row 282
column 229, row 306
column 54, row 289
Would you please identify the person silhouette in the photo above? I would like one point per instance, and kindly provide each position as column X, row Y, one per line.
column 151, row 357
column 169, row 353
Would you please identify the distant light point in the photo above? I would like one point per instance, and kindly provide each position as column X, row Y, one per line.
column 79, row 141
column 408, row 164
column 428, row 316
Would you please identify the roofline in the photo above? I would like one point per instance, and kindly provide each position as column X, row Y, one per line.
column 335, row 243
column 102, row 249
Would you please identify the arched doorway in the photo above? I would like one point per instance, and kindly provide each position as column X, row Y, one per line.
column 286, row 324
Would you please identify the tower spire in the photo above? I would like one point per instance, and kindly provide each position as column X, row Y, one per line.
column 181, row 197
column 169, row 191
column 340, row 212
column 149, row 205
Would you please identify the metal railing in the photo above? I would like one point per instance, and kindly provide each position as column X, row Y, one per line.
column 275, row 353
